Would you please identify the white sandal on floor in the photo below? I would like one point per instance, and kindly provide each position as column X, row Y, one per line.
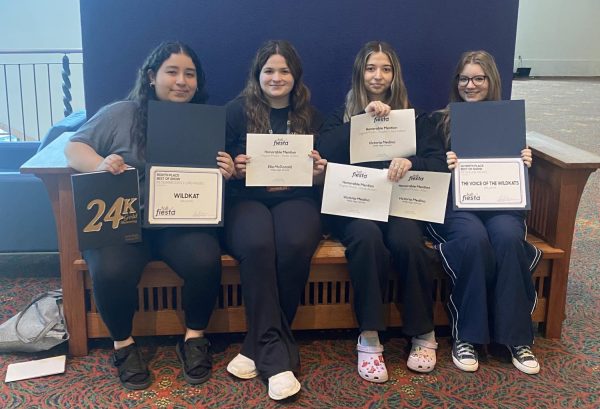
column 422, row 355
column 242, row 367
column 371, row 366
column 283, row 385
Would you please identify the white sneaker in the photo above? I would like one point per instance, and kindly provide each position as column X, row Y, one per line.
column 283, row 385
column 464, row 356
column 242, row 367
column 523, row 359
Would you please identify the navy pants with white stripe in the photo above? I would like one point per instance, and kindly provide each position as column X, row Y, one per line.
column 490, row 265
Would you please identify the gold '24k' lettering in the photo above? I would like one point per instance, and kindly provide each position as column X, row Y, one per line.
column 115, row 214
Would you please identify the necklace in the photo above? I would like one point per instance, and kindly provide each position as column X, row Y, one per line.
column 288, row 123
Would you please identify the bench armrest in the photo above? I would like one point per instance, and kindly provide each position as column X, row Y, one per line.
column 51, row 159
column 561, row 154
column 557, row 180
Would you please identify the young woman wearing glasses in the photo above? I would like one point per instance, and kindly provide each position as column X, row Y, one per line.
column 485, row 252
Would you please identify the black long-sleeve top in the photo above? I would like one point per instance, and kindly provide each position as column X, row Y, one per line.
column 334, row 144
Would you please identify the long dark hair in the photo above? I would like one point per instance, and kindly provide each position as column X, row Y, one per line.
column 142, row 91
column 487, row 63
column 357, row 98
column 257, row 107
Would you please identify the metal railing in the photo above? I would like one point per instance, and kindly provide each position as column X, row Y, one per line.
column 32, row 84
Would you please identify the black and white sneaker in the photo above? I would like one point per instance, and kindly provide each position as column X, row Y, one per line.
column 464, row 356
column 523, row 359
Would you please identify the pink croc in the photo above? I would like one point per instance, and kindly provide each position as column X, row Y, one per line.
column 422, row 355
column 371, row 366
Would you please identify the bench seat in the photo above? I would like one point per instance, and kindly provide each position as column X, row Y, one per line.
column 325, row 304
column 557, row 180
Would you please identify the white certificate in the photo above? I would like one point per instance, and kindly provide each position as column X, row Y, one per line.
column 182, row 195
column 379, row 139
column 489, row 184
column 354, row 191
column 279, row 160
column 421, row 196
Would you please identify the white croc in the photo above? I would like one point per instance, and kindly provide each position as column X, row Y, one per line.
column 422, row 356
column 283, row 385
column 371, row 366
column 242, row 367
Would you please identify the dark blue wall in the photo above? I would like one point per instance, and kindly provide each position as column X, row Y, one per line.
column 429, row 36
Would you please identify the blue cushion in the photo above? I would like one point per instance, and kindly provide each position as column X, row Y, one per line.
column 25, row 215
column 68, row 124
column 14, row 154
column 25, row 211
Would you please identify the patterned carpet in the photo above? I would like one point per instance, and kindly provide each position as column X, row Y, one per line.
column 570, row 375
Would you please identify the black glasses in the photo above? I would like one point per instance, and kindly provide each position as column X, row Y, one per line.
column 477, row 80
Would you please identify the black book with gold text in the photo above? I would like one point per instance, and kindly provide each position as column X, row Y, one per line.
column 107, row 208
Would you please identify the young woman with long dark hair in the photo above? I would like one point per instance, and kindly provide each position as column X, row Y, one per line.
column 273, row 231
column 112, row 140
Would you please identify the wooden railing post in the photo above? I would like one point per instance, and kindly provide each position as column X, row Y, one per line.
column 66, row 86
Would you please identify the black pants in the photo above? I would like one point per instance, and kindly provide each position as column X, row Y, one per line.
column 274, row 244
column 193, row 253
column 370, row 246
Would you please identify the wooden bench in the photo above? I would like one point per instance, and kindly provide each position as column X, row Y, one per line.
column 557, row 180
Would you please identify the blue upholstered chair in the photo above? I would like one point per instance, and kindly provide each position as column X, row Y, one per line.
column 26, row 218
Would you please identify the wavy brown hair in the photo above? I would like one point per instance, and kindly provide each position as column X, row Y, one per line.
column 257, row 107
column 142, row 91
column 357, row 98
column 487, row 63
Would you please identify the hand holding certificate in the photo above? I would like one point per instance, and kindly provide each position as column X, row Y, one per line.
column 367, row 193
column 421, row 196
column 184, row 196
column 354, row 191
column 184, row 184
column 490, row 183
column 107, row 208
column 375, row 138
column 488, row 138
column 279, row 160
